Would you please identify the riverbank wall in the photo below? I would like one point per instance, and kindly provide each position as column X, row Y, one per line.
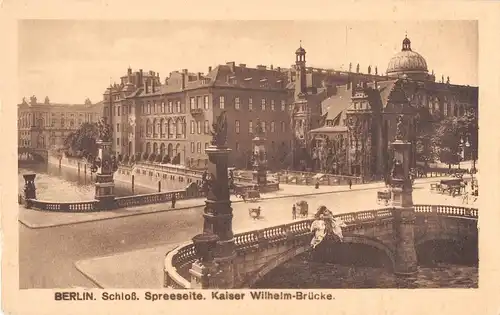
column 153, row 177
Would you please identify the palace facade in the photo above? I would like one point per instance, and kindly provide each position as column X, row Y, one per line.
column 46, row 125
column 298, row 107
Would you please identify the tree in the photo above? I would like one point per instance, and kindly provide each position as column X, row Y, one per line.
column 469, row 130
column 447, row 137
column 82, row 142
column 425, row 144
column 166, row 159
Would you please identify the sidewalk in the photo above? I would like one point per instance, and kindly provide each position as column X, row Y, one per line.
column 43, row 219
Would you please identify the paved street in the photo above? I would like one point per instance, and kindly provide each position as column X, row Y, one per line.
column 47, row 256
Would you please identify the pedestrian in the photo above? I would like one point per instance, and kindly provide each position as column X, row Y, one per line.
column 294, row 212
column 350, row 183
column 174, row 199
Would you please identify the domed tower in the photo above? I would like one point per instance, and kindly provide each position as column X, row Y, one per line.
column 300, row 71
column 408, row 64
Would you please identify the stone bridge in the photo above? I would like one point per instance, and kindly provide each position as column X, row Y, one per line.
column 259, row 252
column 32, row 154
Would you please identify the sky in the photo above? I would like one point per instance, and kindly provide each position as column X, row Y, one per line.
column 70, row 60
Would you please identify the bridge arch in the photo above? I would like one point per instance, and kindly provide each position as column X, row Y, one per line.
column 304, row 246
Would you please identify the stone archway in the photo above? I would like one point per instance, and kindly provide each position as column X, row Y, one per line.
column 148, row 147
column 170, row 150
column 178, row 152
column 155, row 148
column 162, row 149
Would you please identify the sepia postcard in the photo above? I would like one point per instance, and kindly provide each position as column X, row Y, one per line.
column 250, row 158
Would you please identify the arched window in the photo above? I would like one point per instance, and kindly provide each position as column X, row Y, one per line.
column 161, row 130
column 179, row 127
column 171, row 127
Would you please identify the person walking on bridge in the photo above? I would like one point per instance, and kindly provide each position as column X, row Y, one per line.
column 294, row 212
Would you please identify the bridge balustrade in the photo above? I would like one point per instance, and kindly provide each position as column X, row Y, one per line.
column 83, row 206
column 179, row 260
column 147, row 199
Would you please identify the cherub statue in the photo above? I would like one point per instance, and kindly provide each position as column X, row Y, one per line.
column 399, row 128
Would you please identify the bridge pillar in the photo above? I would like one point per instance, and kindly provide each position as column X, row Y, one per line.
column 218, row 214
column 403, row 211
column 29, row 189
column 104, row 183
column 259, row 154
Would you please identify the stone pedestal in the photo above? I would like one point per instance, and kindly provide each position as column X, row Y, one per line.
column 218, row 216
column 29, row 189
column 404, row 211
column 260, row 161
column 104, row 184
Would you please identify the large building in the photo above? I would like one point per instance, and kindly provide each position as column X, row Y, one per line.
column 359, row 121
column 296, row 106
column 46, row 125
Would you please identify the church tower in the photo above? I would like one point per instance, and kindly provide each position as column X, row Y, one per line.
column 305, row 115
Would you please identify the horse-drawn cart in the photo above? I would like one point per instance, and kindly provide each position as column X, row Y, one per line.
column 252, row 195
column 383, row 196
column 254, row 213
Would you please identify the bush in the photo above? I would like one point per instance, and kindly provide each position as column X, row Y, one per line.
column 166, row 159
column 158, row 158
column 152, row 157
column 145, row 156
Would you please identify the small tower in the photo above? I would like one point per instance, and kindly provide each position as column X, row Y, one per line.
column 300, row 71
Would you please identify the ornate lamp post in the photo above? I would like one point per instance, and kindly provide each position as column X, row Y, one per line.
column 260, row 158
column 104, row 165
column 216, row 268
column 402, row 202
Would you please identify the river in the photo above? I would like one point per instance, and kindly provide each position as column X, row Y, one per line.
column 64, row 184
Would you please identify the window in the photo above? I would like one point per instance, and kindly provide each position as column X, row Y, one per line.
column 62, row 122
column 192, row 103
column 118, row 110
column 192, row 147
column 272, row 105
column 199, row 101
column 237, row 103
column 273, row 127
column 143, row 108
column 163, row 107
column 206, row 146
column 250, row 104
column 178, row 105
column 263, row 104
column 283, row 105
column 206, row 127
column 192, row 127
column 170, row 107
column 198, row 127
column 290, row 107
column 114, row 111
column 221, row 102
column 263, row 125
column 198, row 147
column 117, row 127
column 237, row 126
column 283, row 126
column 205, row 101
column 117, row 141
column 250, row 127
column 237, row 146
column 149, row 108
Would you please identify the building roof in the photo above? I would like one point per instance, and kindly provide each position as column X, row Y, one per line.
column 336, row 104
column 330, row 129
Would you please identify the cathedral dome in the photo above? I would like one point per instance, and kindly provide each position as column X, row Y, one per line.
column 407, row 62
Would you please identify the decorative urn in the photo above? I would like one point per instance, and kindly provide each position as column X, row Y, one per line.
column 204, row 244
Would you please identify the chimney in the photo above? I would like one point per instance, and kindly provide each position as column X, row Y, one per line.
column 129, row 71
column 231, row 65
column 140, row 83
column 199, row 76
column 185, row 71
column 210, row 69
column 271, row 67
column 278, row 69
column 183, row 81
column 153, row 81
column 146, row 87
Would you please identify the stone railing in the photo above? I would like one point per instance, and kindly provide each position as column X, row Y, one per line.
column 448, row 210
column 308, row 178
column 147, row 199
column 82, row 206
column 178, row 261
